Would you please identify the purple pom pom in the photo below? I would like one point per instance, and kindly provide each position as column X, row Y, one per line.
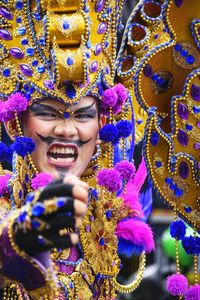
column 4, row 184
column 15, row 103
column 23, row 145
column 109, row 98
column 193, row 293
column 109, row 133
column 41, row 180
column 124, row 128
column 178, row 230
column 121, row 92
column 177, row 284
column 110, row 179
column 126, row 169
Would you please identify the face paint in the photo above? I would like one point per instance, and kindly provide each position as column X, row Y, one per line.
column 62, row 144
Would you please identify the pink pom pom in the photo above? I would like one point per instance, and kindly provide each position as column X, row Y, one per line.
column 15, row 103
column 193, row 293
column 126, row 169
column 121, row 92
column 109, row 98
column 110, row 179
column 137, row 232
column 41, row 180
column 177, row 284
column 4, row 184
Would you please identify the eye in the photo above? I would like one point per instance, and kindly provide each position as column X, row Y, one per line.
column 85, row 116
column 47, row 115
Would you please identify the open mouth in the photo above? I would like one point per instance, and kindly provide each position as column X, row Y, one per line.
column 62, row 154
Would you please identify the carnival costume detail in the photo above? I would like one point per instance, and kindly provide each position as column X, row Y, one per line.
column 66, row 50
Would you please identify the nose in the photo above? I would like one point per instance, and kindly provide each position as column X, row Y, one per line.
column 65, row 129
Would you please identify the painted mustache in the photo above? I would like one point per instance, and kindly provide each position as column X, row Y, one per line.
column 49, row 140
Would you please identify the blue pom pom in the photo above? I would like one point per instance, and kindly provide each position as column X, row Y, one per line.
column 2, row 151
column 178, row 230
column 191, row 245
column 128, row 249
column 9, row 154
column 23, row 146
column 109, row 133
column 124, row 128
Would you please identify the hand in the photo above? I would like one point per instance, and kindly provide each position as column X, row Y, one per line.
column 59, row 208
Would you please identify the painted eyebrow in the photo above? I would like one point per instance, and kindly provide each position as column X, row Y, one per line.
column 36, row 106
column 84, row 109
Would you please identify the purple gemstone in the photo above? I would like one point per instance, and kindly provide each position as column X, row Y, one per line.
column 102, row 28
column 16, row 53
column 197, row 146
column 183, row 111
column 87, row 228
column 94, row 66
column 6, row 13
column 178, row 3
column 26, row 70
column 5, row 35
column 195, row 92
column 182, row 137
column 183, row 170
column 198, row 166
column 98, row 49
column 148, row 71
column 99, row 5
column 48, row 84
column 198, row 124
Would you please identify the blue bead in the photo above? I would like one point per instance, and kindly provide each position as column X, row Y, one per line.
column 168, row 180
column 102, row 241
column 30, row 51
column 24, row 42
column 21, row 30
column 22, row 217
column 172, row 186
column 178, row 192
column 140, row 121
column 35, row 63
column 188, row 127
column 70, row 61
column 61, row 202
column 20, row 194
column 187, row 209
column 155, row 77
column 66, row 115
column 154, row 138
column 38, row 209
column 6, row 72
column 109, row 214
column 156, row 36
column 177, row 47
column 158, row 163
column 71, row 285
column 42, row 41
column 35, row 224
column 87, row 54
column 41, row 69
column 37, row 16
column 196, row 109
column 30, row 197
column 19, row 5
column 19, row 19
column 184, row 52
column 65, row 25
column 88, row 44
column 190, row 59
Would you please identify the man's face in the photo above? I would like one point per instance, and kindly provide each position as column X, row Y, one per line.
column 62, row 144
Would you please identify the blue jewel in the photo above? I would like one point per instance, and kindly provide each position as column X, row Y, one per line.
column 109, row 214
column 26, row 178
column 61, row 201
column 145, row 47
column 140, row 121
column 196, row 109
column 41, row 69
column 187, row 209
column 173, row 186
column 38, row 209
column 66, row 115
column 22, row 217
column 20, row 194
column 87, row 54
column 71, row 285
column 158, row 163
column 37, row 16
column 178, row 192
column 88, row 44
column 19, row 19
column 155, row 77
column 156, row 36
column 188, row 127
column 101, row 241
column 154, row 138
column 70, row 61
column 168, row 180
column 21, row 30
column 106, row 44
column 184, row 52
column 24, row 42
column 35, row 63
column 70, row 91
column 42, row 41
column 35, row 224
column 178, row 47
column 6, row 72
column 19, row 5
column 190, row 59
column 30, row 51
column 65, row 25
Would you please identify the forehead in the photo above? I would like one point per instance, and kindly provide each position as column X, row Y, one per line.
column 84, row 101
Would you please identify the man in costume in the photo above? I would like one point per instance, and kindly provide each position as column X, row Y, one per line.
column 59, row 75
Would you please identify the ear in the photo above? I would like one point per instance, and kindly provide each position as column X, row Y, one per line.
column 102, row 121
column 11, row 130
